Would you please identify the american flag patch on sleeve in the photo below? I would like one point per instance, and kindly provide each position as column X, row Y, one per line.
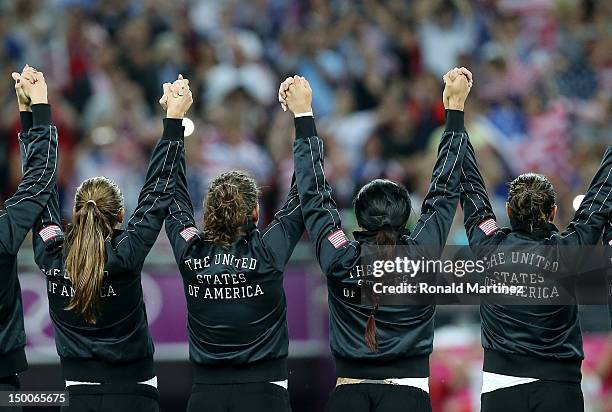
column 338, row 239
column 488, row 226
column 188, row 233
column 50, row 232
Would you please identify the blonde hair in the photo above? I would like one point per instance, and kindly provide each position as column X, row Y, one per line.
column 97, row 204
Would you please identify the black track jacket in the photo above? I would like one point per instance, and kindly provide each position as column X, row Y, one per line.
column 236, row 304
column 536, row 341
column 38, row 146
column 405, row 332
column 118, row 347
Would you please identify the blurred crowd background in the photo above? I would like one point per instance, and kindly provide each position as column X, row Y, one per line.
column 541, row 99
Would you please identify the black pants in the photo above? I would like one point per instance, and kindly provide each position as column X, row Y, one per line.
column 368, row 397
column 10, row 384
column 540, row 396
column 243, row 397
column 130, row 397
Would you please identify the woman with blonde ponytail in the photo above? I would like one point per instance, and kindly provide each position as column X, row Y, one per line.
column 93, row 277
column 98, row 209
column 381, row 352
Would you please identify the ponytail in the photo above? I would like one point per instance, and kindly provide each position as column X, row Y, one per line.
column 370, row 337
column 387, row 238
column 531, row 199
column 383, row 207
column 231, row 198
column 97, row 204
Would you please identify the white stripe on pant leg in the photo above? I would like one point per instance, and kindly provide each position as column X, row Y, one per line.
column 282, row 384
column 151, row 382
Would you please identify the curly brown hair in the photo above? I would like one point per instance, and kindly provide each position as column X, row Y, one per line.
column 532, row 198
column 231, row 198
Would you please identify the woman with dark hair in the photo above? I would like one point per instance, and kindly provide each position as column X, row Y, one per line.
column 93, row 278
column 533, row 352
column 381, row 352
column 233, row 279
column 38, row 145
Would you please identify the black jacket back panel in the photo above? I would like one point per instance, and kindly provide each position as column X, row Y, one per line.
column 118, row 347
column 537, row 341
column 38, row 146
column 235, row 299
column 405, row 333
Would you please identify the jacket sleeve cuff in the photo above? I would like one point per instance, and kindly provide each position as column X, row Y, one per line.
column 305, row 127
column 173, row 129
column 41, row 114
column 26, row 121
column 454, row 121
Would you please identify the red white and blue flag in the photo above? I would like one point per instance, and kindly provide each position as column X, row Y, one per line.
column 50, row 232
column 488, row 226
column 338, row 239
column 188, row 233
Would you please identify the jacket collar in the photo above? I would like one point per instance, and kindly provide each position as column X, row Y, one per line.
column 369, row 236
column 536, row 232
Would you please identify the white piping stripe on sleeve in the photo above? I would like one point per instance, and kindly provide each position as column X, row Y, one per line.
column 435, row 184
column 454, row 163
column 154, row 189
column 602, row 185
column 317, row 184
column 278, row 222
column 51, row 128
column 331, row 202
column 437, row 177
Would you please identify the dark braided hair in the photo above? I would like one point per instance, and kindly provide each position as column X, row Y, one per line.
column 231, row 198
column 381, row 206
column 531, row 199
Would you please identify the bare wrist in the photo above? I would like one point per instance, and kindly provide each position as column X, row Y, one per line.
column 455, row 104
column 39, row 100
column 299, row 110
column 174, row 115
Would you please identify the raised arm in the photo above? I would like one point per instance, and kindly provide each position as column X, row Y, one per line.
column 283, row 233
column 48, row 235
column 478, row 216
column 319, row 211
column 180, row 224
column 595, row 210
column 440, row 203
column 39, row 153
column 159, row 187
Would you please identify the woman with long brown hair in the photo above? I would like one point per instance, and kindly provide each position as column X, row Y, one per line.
column 93, row 277
column 233, row 280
